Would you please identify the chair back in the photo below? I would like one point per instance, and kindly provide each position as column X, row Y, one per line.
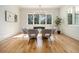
column 46, row 32
column 25, row 31
column 33, row 33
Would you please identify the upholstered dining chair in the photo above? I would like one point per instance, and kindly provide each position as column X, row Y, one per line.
column 32, row 33
column 46, row 33
column 25, row 31
column 25, row 34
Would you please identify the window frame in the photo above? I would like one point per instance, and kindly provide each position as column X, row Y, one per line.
column 39, row 20
column 74, row 12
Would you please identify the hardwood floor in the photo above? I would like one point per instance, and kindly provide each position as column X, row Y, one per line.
column 61, row 44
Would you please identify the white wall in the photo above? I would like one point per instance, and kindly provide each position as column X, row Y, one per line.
column 24, row 16
column 8, row 29
column 70, row 30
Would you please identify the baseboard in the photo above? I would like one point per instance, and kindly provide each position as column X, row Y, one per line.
column 70, row 37
column 1, row 39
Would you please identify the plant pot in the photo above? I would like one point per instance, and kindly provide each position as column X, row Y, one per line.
column 58, row 32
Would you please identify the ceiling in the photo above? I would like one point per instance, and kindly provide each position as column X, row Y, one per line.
column 40, row 6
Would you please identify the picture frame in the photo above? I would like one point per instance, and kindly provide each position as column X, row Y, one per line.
column 10, row 17
column 15, row 18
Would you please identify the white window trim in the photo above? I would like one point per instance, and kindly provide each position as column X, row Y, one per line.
column 39, row 21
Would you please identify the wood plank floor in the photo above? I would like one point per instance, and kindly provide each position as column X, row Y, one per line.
column 61, row 44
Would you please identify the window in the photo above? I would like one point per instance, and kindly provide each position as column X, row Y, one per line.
column 76, row 19
column 73, row 17
column 42, row 18
column 49, row 19
column 69, row 18
column 39, row 19
column 30, row 19
column 76, row 14
column 36, row 19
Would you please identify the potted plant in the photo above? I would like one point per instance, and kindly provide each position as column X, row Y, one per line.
column 58, row 22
